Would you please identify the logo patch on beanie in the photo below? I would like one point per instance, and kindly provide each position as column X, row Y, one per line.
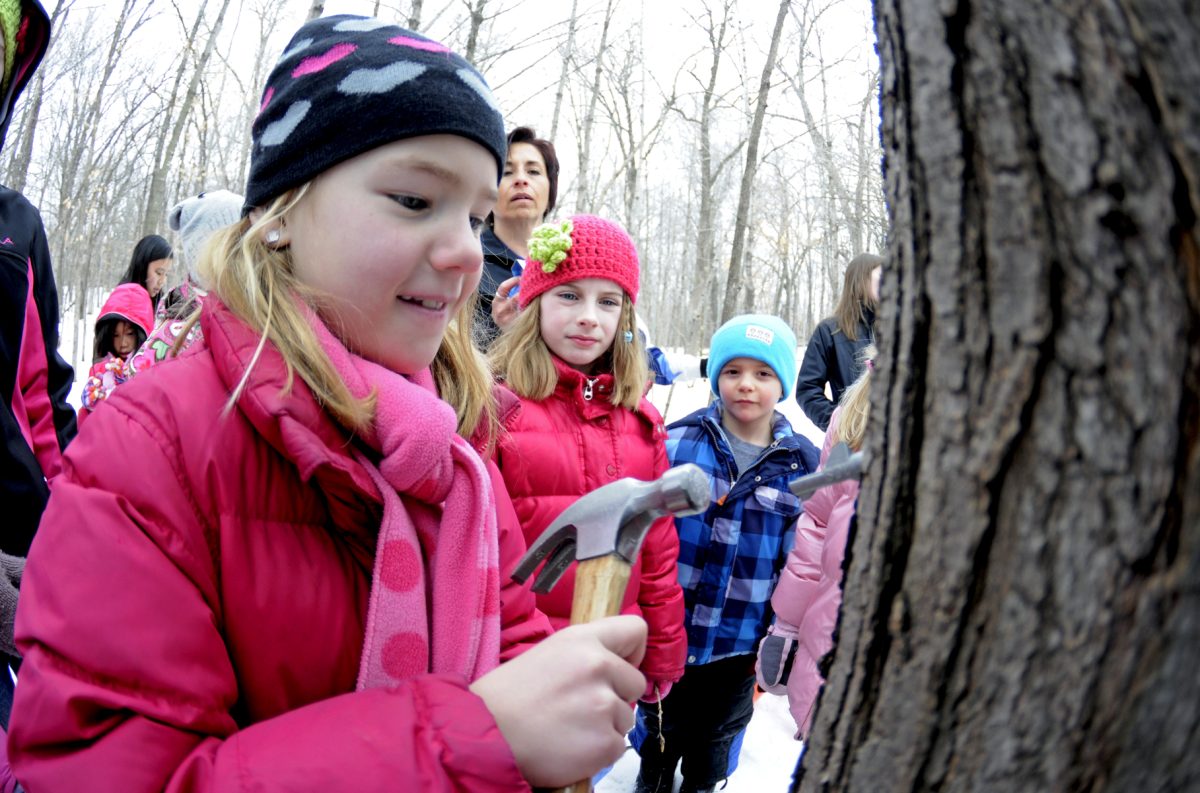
column 759, row 333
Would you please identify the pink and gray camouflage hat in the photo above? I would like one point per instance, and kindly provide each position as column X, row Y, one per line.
column 347, row 84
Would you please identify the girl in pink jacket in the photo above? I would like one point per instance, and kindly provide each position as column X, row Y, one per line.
column 295, row 576
column 575, row 359
column 125, row 320
column 809, row 593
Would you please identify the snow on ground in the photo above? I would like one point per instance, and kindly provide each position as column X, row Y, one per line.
column 768, row 755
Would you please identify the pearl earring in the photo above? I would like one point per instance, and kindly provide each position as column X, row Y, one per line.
column 272, row 237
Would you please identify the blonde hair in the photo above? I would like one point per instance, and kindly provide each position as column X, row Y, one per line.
column 521, row 358
column 258, row 284
column 856, row 294
column 856, row 404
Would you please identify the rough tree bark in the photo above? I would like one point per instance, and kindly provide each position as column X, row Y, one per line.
column 1022, row 608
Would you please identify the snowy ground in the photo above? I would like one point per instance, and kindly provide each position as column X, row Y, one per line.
column 768, row 755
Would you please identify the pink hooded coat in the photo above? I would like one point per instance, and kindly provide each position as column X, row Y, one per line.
column 809, row 592
column 192, row 614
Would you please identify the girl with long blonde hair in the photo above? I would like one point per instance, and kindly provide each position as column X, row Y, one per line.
column 296, row 578
column 576, row 362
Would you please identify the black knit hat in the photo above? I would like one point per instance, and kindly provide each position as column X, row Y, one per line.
column 348, row 84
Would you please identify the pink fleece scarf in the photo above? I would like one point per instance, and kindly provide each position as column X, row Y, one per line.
column 435, row 590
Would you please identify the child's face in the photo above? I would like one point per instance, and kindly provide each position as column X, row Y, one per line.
column 124, row 339
column 156, row 276
column 579, row 320
column 749, row 390
column 391, row 238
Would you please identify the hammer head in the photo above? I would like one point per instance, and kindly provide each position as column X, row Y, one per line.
column 612, row 519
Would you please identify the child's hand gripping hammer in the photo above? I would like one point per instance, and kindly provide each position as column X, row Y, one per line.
column 604, row 531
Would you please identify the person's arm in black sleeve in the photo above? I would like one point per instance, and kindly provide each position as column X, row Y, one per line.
column 60, row 376
column 814, row 373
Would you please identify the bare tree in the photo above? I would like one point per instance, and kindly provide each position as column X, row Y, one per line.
column 315, row 10
column 1022, row 596
column 568, row 53
column 173, row 125
column 742, row 219
column 710, row 168
column 585, row 137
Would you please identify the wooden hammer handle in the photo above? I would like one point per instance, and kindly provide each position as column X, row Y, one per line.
column 599, row 589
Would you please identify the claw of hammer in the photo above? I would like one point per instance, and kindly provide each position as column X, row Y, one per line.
column 612, row 519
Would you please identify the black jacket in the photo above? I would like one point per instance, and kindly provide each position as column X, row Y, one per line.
column 498, row 261
column 830, row 358
column 35, row 419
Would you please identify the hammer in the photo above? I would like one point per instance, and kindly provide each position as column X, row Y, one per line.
column 840, row 466
column 604, row 530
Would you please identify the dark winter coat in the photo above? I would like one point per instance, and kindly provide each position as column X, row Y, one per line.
column 570, row 443
column 831, row 358
column 193, row 610
column 35, row 419
column 34, row 380
column 498, row 261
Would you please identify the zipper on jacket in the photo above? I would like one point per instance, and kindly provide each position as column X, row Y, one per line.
column 587, row 387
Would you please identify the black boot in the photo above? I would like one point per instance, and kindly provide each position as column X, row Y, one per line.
column 653, row 779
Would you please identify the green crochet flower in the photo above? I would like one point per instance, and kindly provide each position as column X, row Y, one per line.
column 550, row 243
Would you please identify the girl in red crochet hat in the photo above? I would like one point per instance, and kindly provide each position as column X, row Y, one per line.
column 575, row 360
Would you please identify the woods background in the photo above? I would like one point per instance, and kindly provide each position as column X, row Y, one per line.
column 727, row 137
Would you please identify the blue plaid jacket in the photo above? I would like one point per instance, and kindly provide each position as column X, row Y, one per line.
column 731, row 554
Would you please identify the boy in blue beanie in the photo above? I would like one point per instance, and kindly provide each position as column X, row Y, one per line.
column 730, row 555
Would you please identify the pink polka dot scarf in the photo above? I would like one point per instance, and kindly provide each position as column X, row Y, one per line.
column 435, row 589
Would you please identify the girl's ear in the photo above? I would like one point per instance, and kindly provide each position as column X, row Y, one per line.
column 273, row 236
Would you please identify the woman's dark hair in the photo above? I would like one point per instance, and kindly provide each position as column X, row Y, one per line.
column 546, row 149
column 150, row 248
column 106, row 328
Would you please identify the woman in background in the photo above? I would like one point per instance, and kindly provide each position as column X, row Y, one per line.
column 835, row 348
column 150, row 266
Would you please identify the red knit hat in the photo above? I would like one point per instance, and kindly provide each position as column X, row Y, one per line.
column 583, row 247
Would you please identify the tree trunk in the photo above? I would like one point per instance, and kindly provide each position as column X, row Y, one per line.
column 584, row 199
column 152, row 217
column 568, row 54
column 314, row 10
column 414, row 15
column 1022, row 604
column 742, row 218
column 475, row 12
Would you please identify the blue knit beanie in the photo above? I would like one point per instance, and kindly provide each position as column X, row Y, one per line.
column 759, row 336
column 346, row 85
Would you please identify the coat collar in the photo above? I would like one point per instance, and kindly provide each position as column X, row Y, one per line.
column 589, row 393
column 289, row 419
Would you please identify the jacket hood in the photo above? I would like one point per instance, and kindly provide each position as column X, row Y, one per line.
column 130, row 302
column 28, row 41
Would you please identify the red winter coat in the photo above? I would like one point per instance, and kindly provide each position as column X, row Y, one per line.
column 192, row 612
column 559, row 448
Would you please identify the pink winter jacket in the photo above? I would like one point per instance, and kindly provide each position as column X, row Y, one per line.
column 193, row 607
column 809, row 593
column 555, row 450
